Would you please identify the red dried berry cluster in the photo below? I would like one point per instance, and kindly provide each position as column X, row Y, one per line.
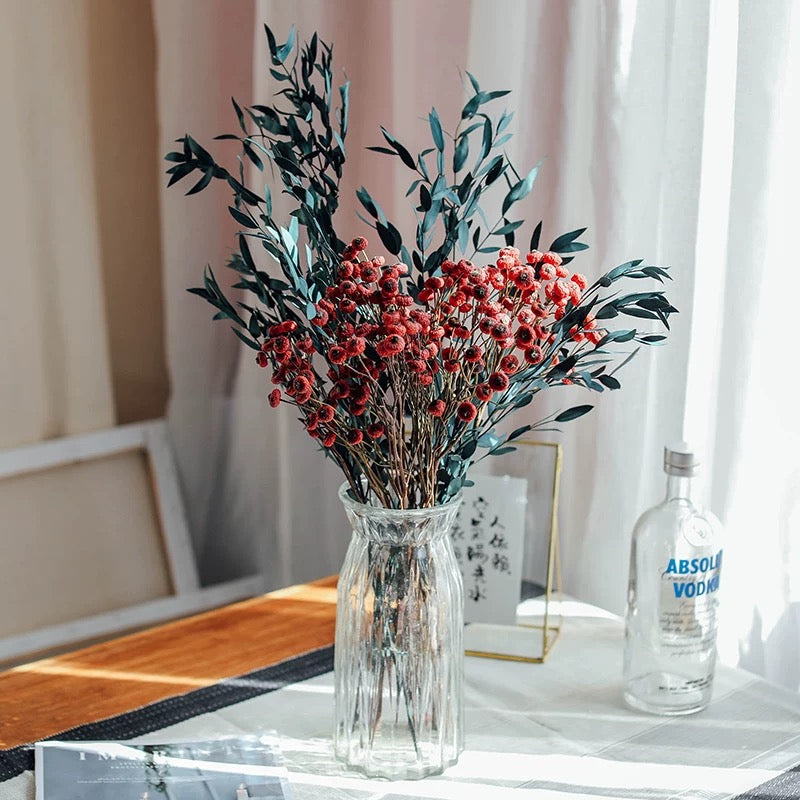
column 477, row 326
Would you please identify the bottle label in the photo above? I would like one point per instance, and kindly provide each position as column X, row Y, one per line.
column 688, row 613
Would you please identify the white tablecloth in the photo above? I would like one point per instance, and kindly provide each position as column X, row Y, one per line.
column 552, row 730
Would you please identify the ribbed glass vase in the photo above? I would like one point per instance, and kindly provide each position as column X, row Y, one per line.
column 399, row 658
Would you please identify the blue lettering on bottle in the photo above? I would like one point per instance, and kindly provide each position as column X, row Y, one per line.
column 695, row 566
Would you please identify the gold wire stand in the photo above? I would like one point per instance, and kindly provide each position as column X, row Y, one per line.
column 551, row 623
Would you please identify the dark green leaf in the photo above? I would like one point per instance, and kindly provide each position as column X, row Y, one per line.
column 608, row 311
column 245, row 339
column 273, row 47
column 363, row 195
column 641, row 313
column 486, row 144
column 609, row 382
column 521, row 189
column 468, row 450
column 573, row 413
column 239, row 115
column 242, row 218
column 405, row 156
column 496, row 169
column 537, row 234
column 202, row 183
column 253, row 156
column 436, row 129
column 509, row 227
column 390, row 237
column 518, row 432
column 566, row 239
column 478, row 100
column 460, row 154
column 283, row 51
column 424, row 197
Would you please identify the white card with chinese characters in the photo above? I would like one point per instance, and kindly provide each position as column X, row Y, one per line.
column 488, row 538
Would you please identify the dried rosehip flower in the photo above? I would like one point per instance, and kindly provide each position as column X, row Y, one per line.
column 551, row 258
column 534, row 355
column 354, row 436
column 509, row 364
column 325, row 413
column 337, row 355
column 375, row 430
column 473, row 354
column 534, row 257
column 466, row 411
column 436, row 408
column 525, row 337
column 483, row 392
column 498, row 381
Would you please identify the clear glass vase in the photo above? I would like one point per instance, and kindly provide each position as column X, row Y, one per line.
column 399, row 657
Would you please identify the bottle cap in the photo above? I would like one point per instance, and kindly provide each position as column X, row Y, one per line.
column 680, row 460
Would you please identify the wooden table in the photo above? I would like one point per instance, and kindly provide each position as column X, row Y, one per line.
column 54, row 694
column 531, row 729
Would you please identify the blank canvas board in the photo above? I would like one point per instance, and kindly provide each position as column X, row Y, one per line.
column 79, row 539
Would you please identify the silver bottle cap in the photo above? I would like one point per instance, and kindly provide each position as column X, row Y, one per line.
column 680, row 460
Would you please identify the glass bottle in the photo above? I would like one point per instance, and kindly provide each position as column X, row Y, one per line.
column 671, row 620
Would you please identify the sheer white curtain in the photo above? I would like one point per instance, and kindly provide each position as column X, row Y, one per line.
column 666, row 130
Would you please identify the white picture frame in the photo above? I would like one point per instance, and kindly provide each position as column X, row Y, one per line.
column 186, row 595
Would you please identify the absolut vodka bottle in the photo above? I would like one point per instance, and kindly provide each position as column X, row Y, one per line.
column 671, row 622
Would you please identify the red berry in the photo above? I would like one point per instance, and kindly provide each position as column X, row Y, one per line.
column 473, row 354
column 534, row 355
column 436, row 408
column 525, row 336
column 498, row 381
column 337, row 355
column 354, row 436
column 534, row 257
column 369, row 273
column 551, row 258
column 483, row 392
column 375, row 430
column 325, row 413
column 509, row 364
column 466, row 411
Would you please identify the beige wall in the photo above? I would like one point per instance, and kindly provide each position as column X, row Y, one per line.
column 127, row 168
column 81, row 301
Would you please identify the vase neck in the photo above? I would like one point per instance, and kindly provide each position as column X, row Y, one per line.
column 395, row 527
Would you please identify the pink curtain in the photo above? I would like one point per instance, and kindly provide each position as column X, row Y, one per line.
column 623, row 99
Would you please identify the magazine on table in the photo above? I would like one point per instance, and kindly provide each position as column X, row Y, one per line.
column 227, row 768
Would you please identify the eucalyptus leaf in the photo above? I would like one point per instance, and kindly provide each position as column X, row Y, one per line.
column 242, row 218
column 573, row 413
column 436, row 129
